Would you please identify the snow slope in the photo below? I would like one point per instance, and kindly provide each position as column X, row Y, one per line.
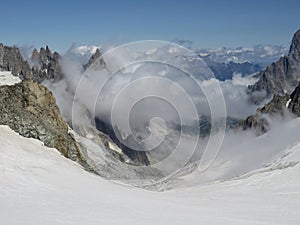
column 39, row 186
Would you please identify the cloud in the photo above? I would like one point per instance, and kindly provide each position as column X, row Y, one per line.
column 243, row 152
column 147, row 94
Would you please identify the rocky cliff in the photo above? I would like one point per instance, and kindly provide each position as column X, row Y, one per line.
column 30, row 109
column 280, row 77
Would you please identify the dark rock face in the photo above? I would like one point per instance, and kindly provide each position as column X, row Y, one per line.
column 137, row 157
column 280, row 77
column 46, row 65
column 30, row 109
column 12, row 60
column 294, row 104
column 277, row 106
column 96, row 62
column 295, row 47
column 256, row 122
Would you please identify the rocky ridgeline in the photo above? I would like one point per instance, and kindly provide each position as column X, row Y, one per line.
column 12, row 60
column 280, row 77
column 30, row 109
column 45, row 64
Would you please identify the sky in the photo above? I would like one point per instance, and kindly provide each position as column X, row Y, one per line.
column 208, row 24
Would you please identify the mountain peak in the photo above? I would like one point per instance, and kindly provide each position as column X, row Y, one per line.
column 295, row 45
column 279, row 77
column 96, row 61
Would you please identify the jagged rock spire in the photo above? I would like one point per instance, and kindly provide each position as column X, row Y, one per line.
column 96, row 61
column 46, row 65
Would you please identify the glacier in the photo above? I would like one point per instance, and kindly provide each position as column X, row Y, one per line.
column 39, row 186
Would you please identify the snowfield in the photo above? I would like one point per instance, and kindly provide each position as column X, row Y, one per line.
column 6, row 78
column 39, row 186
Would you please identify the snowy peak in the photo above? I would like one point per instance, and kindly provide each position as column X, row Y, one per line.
column 85, row 50
column 81, row 53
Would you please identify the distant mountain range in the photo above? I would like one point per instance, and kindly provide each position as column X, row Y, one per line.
column 224, row 62
column 259, row 54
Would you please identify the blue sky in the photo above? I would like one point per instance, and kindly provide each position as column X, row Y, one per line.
column 208, row 24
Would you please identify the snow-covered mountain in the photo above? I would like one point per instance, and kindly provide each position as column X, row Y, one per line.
column 81, row 53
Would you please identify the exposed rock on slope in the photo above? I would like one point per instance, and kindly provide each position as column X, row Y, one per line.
column 31, row 110
column 12, row 60
column 259, row 121
column 277, row 106
column 280, row 77
column 294, row 102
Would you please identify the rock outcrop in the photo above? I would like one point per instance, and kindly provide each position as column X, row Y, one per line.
column 12, row 60
column 46, row 65
column 279, row 105
column 280, row 77
column 30, row 109
column 258, row 121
